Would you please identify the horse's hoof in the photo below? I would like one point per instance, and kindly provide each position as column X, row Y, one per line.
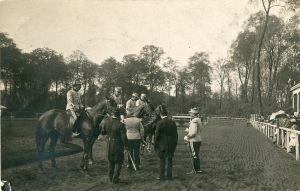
column 91, row 162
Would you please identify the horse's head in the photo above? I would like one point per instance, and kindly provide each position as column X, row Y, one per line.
column 110, row 103
column 161, row 110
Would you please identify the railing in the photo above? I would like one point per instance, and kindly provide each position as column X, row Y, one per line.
column 279, row 135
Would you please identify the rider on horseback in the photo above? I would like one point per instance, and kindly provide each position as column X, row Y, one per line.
column 117, row 96
column 142, row 100
column 74, row 106
column 131, row 104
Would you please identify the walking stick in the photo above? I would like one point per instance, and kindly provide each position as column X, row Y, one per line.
column 191, row 157
column 134, row 167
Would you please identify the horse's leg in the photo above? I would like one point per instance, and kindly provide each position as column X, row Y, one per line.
column 85, row 154
column 41, row 140
column 53, row 141
column 90, row 154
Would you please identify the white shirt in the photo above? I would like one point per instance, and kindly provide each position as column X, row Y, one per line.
column 73, row 100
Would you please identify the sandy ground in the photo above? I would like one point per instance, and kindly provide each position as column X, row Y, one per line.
column 233, row 157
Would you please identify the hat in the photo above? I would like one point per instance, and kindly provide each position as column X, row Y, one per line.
column 143, row 95
column 135, row 95
column 118, row 88
column 76, row 82
column 194, row 110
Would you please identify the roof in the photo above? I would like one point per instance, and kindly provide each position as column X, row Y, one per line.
column 295, row 87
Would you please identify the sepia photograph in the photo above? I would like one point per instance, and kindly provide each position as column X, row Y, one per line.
column 140, row 95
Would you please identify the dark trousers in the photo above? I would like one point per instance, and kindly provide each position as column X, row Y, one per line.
column 195, row 151
column 114, row 170
column 166, row 164
column 134, row 150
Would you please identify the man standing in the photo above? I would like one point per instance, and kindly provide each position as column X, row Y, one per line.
column 74, row 106
column 117, row 96
column 117, row 140
column 166, row 138
column 142, row 100
column 131, row 104
column 194, row 139
column 135, row 133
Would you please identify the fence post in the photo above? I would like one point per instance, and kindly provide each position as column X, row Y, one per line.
column 297, row 146
column 287, row 141
column 277, row 135
column 282, row 138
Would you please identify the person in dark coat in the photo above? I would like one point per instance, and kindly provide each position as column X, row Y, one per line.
column 117, row 141
column 166, row 138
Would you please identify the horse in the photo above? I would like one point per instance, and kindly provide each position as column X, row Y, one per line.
column 55, row 123
column 150, row 116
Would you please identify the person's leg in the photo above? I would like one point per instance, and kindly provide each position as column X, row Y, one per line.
column 117, row 172
column 130, row 151
column 137, row 153
column 196, row 146
column 111, row 166
column 162, row 167
column 169, row 167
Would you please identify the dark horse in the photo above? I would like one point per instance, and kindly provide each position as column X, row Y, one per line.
column 150, row 117
column 55, row 123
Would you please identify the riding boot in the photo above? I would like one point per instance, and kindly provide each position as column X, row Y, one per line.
column 76, row 128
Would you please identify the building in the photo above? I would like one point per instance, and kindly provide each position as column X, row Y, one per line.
column 296, row 97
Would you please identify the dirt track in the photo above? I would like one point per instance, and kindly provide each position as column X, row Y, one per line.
column 233, row 157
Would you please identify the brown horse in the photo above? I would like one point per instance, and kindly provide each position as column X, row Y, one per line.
column 55, row 123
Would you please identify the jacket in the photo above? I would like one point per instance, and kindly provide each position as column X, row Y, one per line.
column 73, row 100
column 166, row 138
column 194, row 131
column 117, row 139
column 130, row 105
column 134, row 128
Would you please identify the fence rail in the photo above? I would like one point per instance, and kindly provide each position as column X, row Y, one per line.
column 279, row 135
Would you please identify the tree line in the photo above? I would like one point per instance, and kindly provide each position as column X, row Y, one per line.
column 262, row 64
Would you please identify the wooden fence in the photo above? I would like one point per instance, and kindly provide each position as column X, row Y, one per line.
column 279, row 135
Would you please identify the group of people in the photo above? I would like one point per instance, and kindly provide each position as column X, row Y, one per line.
column 288, row 120
column 125, row 132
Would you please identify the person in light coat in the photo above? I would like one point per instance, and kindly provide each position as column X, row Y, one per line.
column 74, row 106
column 194, row 139
column 135, row 134
column 131, row 104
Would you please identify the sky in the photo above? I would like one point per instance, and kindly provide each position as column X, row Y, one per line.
column 115, row 28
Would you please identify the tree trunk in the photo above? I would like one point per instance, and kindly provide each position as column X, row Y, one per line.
column 258, row 82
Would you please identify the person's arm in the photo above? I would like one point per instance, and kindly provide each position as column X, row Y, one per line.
column 128, row 107
column 123, row 135
column 137, row 103
column 141, row 130
column 70, row 99
column 176, row 133
column 102, row 129
column 156, row 136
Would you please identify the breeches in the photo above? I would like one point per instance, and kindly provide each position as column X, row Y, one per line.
column 134, row 150
column 195, row 151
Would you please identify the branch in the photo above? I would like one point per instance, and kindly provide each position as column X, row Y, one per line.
column 264, row 5
column 277, row 6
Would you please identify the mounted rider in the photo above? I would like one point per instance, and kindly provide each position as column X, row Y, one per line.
column 74, row 106
column 117, row 96
column 142, row 100
column 131, row 104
